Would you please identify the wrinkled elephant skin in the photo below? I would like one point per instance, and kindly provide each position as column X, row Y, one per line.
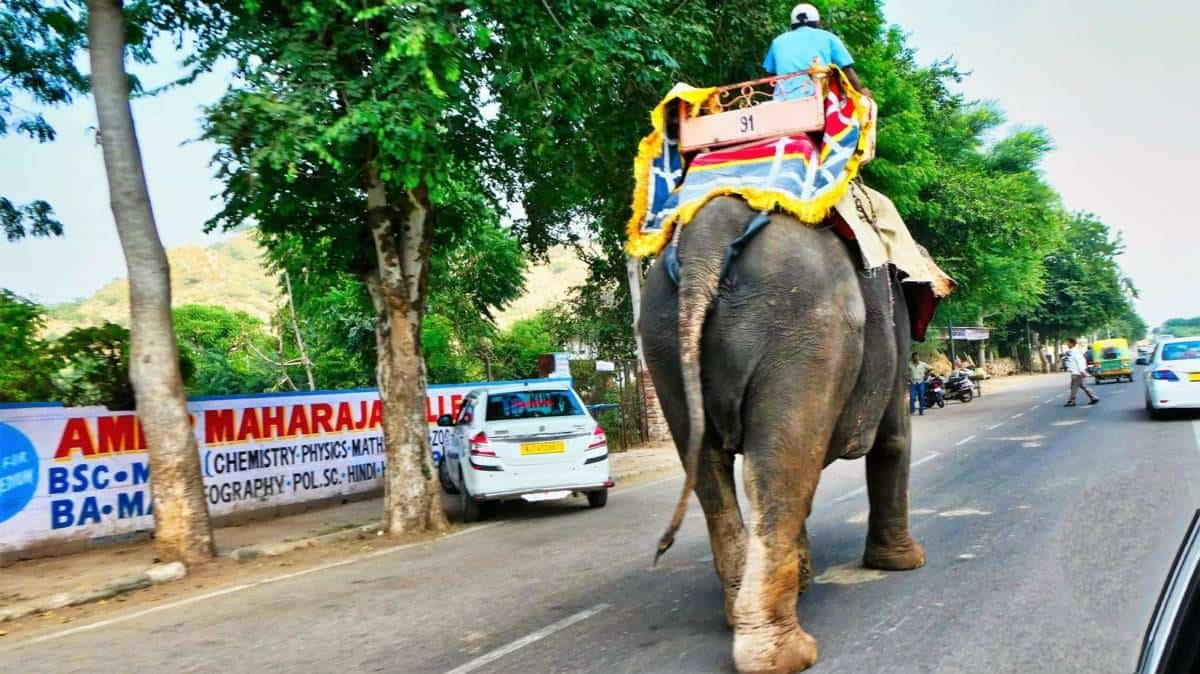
column 794, row 359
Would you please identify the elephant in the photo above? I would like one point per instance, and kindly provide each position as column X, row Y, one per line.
column 793, row 356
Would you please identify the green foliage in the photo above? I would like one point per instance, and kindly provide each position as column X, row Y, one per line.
column 1181, row 327
column 229, row 350
column 516, row 351
column 94, row 367
column 1085, row 289
column 26, row 366
column 41, row 44
column 36, row 45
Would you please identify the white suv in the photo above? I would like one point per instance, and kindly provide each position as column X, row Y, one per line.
column 532, row 441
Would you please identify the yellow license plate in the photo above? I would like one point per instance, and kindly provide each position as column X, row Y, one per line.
column 556, row 447
column 1194, row 376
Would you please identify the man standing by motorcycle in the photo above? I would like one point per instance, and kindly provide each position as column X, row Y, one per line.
column 918, row 372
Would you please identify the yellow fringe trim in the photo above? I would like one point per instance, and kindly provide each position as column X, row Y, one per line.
column 810, row 212
column 641, row 245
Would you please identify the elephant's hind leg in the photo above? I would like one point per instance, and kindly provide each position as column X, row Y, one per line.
column 718, row 497
column 767, row 635
column 890, row 545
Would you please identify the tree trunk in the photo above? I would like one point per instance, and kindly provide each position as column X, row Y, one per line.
column 412, row 500
column 181, row 524
column 304, row 360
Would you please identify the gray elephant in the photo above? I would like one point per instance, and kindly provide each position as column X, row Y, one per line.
column 793, row 358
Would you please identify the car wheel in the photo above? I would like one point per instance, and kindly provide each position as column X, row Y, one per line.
column 444, row 478
column 597, row 499
column 1152, row 411
column 472, row 510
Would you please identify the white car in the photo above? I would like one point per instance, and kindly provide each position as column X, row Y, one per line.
column 1173, row 377
column 530, row 441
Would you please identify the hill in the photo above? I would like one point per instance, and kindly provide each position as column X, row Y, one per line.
column 546, row 284
column 231, row 274
column 228, row 274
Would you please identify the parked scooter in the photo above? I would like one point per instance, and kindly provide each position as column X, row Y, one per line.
column 935, row 392
column 960, row 387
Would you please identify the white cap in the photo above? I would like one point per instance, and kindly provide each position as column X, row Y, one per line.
column 805, row 13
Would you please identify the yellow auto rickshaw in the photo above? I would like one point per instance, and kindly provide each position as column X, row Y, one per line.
column 1111, row 360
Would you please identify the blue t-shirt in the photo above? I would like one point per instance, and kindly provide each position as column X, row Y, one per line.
column 794, row 51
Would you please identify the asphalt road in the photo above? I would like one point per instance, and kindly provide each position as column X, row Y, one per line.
column 1049, row 532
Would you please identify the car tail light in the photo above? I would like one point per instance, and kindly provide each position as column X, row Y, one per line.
column 479, row 445
column 599, row 439
column 1164, row 375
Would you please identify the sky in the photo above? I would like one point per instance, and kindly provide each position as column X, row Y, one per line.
column 1112, row 82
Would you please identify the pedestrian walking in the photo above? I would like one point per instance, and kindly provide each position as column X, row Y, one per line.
column 918, row 372
column 1077, row 368
column 1048, row 358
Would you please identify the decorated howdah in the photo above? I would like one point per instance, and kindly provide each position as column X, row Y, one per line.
column 791, row 143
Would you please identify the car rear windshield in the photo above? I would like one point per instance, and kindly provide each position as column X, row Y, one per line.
column 1110, row 353
column 531, row 405
column 1181, row 350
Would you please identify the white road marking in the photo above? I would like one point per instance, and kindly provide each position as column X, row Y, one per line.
column 853, row 493
column 1035, row 407
column 995, row 426
column 964, row 441
column 931, row 457
column 1018, row 415
column 238, row 588
column 963, row 512
column 1047, row 401
column 524, row 641
column 850, row 573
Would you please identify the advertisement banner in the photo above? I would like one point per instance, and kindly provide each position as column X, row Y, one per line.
column 81, row 473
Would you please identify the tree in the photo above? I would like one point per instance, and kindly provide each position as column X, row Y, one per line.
column 516, row 351
column 1085, row 288
column 94, row 367
column 36, row 45
column 1181, row 327
column 230, row 351
column 26, row 364
column 182, row 528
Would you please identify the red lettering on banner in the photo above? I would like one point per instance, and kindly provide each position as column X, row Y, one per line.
column 249, row 430
column 376, row 414
column 322, row 413
column 345, row 420
column 455, row 405
column 119, row 434
column 77, row 435
column 218, row 426
column 363, row 417
column 298, row 425
column 272, row 422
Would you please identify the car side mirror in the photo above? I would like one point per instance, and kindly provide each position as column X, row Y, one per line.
column 445, row 420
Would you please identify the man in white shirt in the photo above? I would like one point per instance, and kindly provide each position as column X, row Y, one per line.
column 1077, row 368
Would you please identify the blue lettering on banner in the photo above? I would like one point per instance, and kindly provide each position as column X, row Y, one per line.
column 18, row 471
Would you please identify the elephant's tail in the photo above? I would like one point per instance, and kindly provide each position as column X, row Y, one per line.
column 698, row 283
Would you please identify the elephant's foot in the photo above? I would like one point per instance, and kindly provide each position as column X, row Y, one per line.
column 904, row 557
column 773, row 650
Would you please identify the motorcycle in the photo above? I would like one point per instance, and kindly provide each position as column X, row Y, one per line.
column 935, row 393
column 960, row 387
